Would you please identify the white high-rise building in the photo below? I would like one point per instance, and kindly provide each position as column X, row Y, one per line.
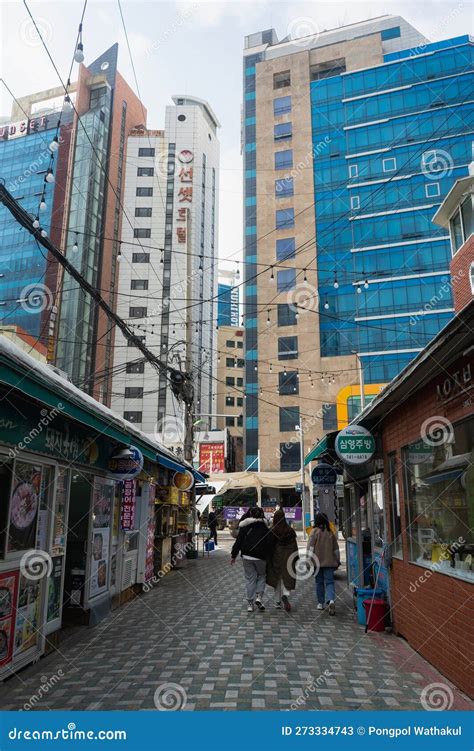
column 171, row 197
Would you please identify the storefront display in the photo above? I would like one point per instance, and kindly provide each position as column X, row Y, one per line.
column 150, row 534
column 60, row 507
column 27, row 615
column 8, row 597
column 54, row 589
column 24, row 506
column 102, row 500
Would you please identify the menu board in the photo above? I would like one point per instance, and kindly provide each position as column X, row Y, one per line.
column 102, row 503
column 8, row 595
column 27, row 615
column 24, row 505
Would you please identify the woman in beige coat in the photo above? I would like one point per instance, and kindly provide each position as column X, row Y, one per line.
column 323, row 544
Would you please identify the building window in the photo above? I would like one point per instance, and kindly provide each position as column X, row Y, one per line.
column 240, row 421
column 140, row 258
column 229, row 401
column 392, row 33
column 137, row 312
column 432, row 190
column 240, row 381
column 281, row 80
column 284, row 187
column 286, row 315
column 229, row 362
column 286, row 279
column 240, row 363
column 389, row 164
column 456, row 231
column 230, row 343
column 288, row 383
column 289, row 418
column 467, row 212
column 353, row 170
column 135, row 367
column 143, row 211
column 285, row 248
column 144, row 192
column 229, row 422
column 282, row 131
column 240, row 345
column 290, row 458
column 395, row 516
column 327, row 69
column 142, row 232
column 145, row 171
column 287, row 347
column 146, row 152
column 133, row 416
column 284, row 218
column 284, row 159
column 471, row 276
column 229, row 381
column 355, row 202
column 329, row 417
column 281, row 105
column 133, row 392
column 439, row 497
column 139, row 284
column 240, row 401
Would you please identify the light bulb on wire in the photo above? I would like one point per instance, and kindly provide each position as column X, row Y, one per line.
column 36, row 223
column 42, row 205
column 49, row 178
column 366, row 284
column 54, row 145
column 67, row 104
column 44, row 233
column 336, row 283
column 79, row 53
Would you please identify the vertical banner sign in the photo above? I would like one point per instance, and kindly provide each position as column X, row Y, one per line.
column 8, row 596
column 211, row 458
column 150, row 535
column 127, row 515
column 185, row 193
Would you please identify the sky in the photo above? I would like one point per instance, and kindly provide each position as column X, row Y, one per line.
column 191, row 47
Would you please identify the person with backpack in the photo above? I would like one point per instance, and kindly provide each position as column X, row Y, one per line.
column 323, row 544
column 281, row 563
column 253, row 543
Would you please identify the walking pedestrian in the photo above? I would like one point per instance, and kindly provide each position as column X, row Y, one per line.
column 253, row 543
column 282, row 560
column 212, row 524
column 323, row 544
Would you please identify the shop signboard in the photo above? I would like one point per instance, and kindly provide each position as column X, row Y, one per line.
column 8, row 596
column 355, row 445
column 183, row 480
column 211, row 458
column 127, row 511
column 102, row 499
column 150, row 535
column 324, row 474
column 126, row 463
column 54, row 589
column 24, row 507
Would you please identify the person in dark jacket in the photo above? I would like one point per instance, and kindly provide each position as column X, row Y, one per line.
column 253, row 543
column 281, row 563
column 212, row 524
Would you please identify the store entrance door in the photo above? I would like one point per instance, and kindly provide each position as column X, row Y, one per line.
column 76, row 550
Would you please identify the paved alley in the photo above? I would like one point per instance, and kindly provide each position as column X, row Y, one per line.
column 190, row 644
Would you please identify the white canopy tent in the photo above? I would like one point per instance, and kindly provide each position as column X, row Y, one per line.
column 258, row 480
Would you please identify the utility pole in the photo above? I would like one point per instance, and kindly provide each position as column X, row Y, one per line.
column 189, row 402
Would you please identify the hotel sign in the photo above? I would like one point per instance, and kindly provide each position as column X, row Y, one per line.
column 23, row 128
column 185, row 193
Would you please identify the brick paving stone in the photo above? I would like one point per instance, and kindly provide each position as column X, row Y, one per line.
column 192, row 629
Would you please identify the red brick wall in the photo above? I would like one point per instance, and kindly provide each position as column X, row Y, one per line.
column 460, row 274
column 436, row 618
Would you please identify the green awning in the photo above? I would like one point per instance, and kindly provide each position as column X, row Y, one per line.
column 317, row 450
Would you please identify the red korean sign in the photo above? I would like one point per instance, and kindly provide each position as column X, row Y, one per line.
column 127, row 512
column 211, row 458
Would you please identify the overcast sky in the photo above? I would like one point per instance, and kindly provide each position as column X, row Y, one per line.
column 191, row 48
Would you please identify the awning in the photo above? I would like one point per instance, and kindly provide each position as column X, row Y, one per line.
column 317, row 450
column 170, row 463
column 198, row 476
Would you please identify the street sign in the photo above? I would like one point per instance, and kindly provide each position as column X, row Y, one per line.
column 355, row 445
column 324, row 474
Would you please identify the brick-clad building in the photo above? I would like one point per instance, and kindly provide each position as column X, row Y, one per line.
column 424, row 422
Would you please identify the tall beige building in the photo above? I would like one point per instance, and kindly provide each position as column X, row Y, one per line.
column 295, row 373
column 229, row 388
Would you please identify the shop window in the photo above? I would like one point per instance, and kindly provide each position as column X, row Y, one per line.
column 25, row 502
column 132, row 416
column 290, row 459
column 439, row 495
column 133, row 392
column 289, row 418
column 281, row 80
column 376, row 496
column 394, row 508
column 135, row 367
column 281, row 105
column 389, row 164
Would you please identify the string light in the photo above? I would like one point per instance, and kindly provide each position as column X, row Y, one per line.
column 44, row 233
column 326, row 305
column 366, row 284
column 237, row 273
column 67, row 104
column 270, row 369
column 359, row 289
column 79, row 53
column 54, row 145
column 42, row 205
column 336, row 283
column 268, row 317
column 36, row 223
column 49, row 178
column 305, row 278
column 272, row 275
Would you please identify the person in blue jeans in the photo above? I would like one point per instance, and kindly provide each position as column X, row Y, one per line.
column 323, row 544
